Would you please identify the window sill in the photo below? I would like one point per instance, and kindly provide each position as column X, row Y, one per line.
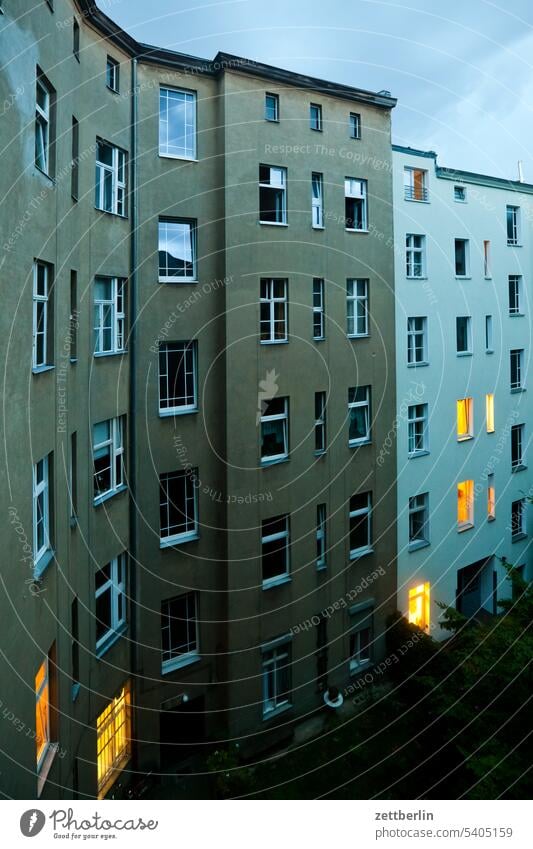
column 517, row 390
column 99, row 354
column 272, row 120
column 351, row 230
column 42, row 369
column 101, row 499
column 173, row 542
column 418, row 365
column 179, row 663
column 465, row 438
column 276, row 582
column 73, row 361
column 179, row 158
column 321, row 453
column 112, row 90
column 518, row 537
column 356, row 668
column 520, row 468
column 416, row 454
column 514, row 245
column 110, row 640
column 416, row 277
column 73, row 522
column 46, row 766
column 361, row 552
column 273, row 223
column 358, row 335
column 108, row 212
column 276, row 711
column 181, row 281
column 516, row 314
column 489, row 350
column 414, row 546
column 466, row 527
column 321, row 567
column 319, row 338
column 43, row 562
column 464, row 353
column 44, row 174
column 177, row 411
column 318, row 227
column 356, row 443
column 274, row 462
column 274, row 342
column 463, row 277
column 416, row 200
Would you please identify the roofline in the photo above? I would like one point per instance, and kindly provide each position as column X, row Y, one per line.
column 222, row 62
column 414, row 151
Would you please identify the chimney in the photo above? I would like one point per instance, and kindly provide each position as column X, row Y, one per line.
column 520, row 171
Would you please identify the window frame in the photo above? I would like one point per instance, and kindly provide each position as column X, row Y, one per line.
column 192, row 238
column 469, row 496
column 518, row 512
column 415, row 508
column 43, row 158
column 462, row 189
column 350, row 195
column 516, row 355
column 518, row 443
column 316, row 122
column 270, row 658
column 354, row 123
column 177, row 659
column 467, row 352
column 413, row 336
column 118, row 187
column 190, row 497
column 317, row 200
column 45, row 320
column 355, row 404
column 116, row 305
column 281, row 188
column 514, row 225
column 516, row 291
column 275, row 98
column 321, row 536
column 465, row 411
column 489, row 412
column 319, row 309
column 489, row 334
column 358, row 645
column 189, row 349
column 43, row 693
column 466, row 245
column 320, row 423
column 190, row 154
column 491, row 497
column 353, row 301
column 112, row 74
column 116, row 586
column 282, row 417
column 415, row 256
column 413, row 420
column 42, row 515
column 419, row 603
column 267, row 538
column 113, row 733
column 269, row 301
column 411, row 192
column 114, row 445
column 355, row 513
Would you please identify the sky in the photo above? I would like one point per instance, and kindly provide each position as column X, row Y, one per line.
column 462, row 70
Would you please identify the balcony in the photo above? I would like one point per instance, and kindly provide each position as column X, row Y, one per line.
column 417, row 193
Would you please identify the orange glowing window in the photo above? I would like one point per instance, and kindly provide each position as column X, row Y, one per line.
column 42, row 712
column 419, row 598
column 465, row 418
column 113, row 740
column 490, row 413
column 491, row 498
column 465, row 504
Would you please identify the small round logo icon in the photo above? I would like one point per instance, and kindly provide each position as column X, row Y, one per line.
column 32, row 822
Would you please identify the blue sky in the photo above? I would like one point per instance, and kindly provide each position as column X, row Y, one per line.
column 462, row 70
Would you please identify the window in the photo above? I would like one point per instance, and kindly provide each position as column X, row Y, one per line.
column 112, row 74
column 276, row 673
column 517, row 447
column 515, row 295
column 486, row 260
column 110, row 594
column 44, row 101
column 465, row 419
column 177, row 250
column 113, row 740
column 320, row 422
column 42, row 545
column 109, row 315
column 177, row 123
column 178, row 377
column 462, row 258
column 518, row 519
column 321, row 656
column 517, row 369
column 319, row 326
column 360, row 642
column 178, row 507
column 43, row 332
column 489, row 342
column 419, row 520
column 73, row 316
column 513, row 225
column 108, row 457
column 417, row 343
column 75, row 164
column 275, row 430
column 179, row 632
column 464, row 334
column 110, row 193
column 317, row 196
column 50, row 4
column 355, row 125
column 415, row 255
column 415, row 184
column 419, row 607
column 315, row 117
column 489, row 407
column 360, row 524
column 272, row 195
column 358, row 415
column 45, row 686
column 73, row 477
column 275, row 549
column 76, row 39
column 271, row 107
column 459, row 194
column 356, row 213
column 491, row 498
column 74, row 647
column 321, row 537
column 273, row 305
column 465, row 504
column 357, row 307
column 418, row 438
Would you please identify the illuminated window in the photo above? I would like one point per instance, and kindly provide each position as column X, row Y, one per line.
column 419, row 606
column 465, row 418
column 491, row 498
column 415, row 184
column 465, row 504
column 113, row 740
column 489, row 401
column 42, row 712
column 486, row 259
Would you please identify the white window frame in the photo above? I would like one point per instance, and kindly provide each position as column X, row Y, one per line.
column 469, row 417
column 279, row 185
column 487, row 260
column 517, row 355
column 356, row 298
column 315, row 117
column 356, row 661
column 41, row 302
column 356, row 512
column 319, row 313
column 112, row 74
column 357, row 190
column 513, row 219
column 516, row 289
column 118, row 186
column 459, row 194
column 419, row 504
column 190, row 504
column 409, row 190
column 489, row 335
column 276, row 417
column 518, row 532
column 468, row 351
column 355, row 125
column 276, row 659
column 317, row 200
column 189, row 363
column 417, row 415
column 274, row 537
column 466, row 243
column 189, row 101
column 275, row 98
column 321, row 536
column 116, row 306
column 352, row 405
column 179, row 659
column 115, row 585
column 188, row 241
column 320, row 422
column 518, row 461
column 269, row 301
column 491, row 497
column 417, row 340
column 415, row 256
column 113, row 446
column 42, row 126
column 489, row 412
column 41, row 496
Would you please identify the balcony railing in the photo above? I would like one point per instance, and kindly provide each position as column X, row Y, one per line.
column 416, row 193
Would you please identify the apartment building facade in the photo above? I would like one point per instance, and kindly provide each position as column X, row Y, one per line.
column 198, row 353
column 463, row 267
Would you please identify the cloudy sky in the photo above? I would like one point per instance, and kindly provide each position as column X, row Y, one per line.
column 462, row 70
